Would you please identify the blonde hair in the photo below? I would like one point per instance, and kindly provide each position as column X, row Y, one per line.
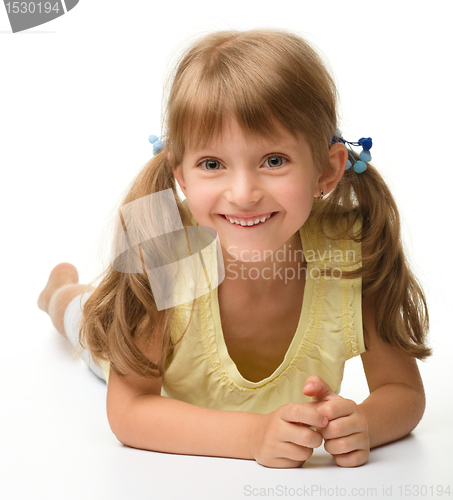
column 260, row 77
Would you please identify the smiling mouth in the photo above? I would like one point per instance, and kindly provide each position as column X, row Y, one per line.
column 255, row 221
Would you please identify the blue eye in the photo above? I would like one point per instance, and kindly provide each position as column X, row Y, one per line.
column 211, row 165
column 275, row 161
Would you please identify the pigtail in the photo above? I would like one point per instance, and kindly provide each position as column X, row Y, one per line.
column 120, row 318
column 402, row 317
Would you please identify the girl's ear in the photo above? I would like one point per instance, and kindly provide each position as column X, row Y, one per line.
column 177, row 172
column 180, row 178
column 338, row 157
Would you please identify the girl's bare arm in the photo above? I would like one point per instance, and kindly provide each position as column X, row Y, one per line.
column 141, row 418
column 397, row 400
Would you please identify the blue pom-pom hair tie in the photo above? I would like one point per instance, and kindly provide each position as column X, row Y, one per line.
column 360, row 165
column 157, row 144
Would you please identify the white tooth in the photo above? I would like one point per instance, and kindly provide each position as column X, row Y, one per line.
column 248, row 223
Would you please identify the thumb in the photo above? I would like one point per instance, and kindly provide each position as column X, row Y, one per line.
column 319, row 390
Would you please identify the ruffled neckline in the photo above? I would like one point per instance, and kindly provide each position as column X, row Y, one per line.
column 215, row 346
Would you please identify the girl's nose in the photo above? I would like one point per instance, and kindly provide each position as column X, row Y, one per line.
column 244, row 189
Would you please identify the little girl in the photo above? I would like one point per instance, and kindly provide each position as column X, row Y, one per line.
column 311, row 273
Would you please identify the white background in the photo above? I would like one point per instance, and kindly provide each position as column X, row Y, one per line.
column 78, row 98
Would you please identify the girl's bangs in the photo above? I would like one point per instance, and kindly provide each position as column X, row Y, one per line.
column 206, row 105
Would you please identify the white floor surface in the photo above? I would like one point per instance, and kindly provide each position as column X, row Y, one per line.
column 56, row 442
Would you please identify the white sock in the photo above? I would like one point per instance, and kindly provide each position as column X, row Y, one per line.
column 72, row 317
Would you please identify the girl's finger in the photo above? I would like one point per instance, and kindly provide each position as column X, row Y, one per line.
column 283, row 463
column 302, row 435
column 318, row 389
column 353, row 459
column 344, row 426
column 346, row 444
column 303, row 414
column 337, row 408
column 291, row 451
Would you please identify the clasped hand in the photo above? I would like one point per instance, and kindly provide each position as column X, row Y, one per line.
column 284, row 438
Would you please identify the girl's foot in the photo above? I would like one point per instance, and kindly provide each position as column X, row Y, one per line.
column 62, row 274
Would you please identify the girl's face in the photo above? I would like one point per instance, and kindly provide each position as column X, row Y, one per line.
column 247, row 180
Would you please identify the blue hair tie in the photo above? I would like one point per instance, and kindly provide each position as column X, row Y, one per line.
column 157, row 144
column 365, row 156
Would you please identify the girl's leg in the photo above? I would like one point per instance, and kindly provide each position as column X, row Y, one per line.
column 62, row 287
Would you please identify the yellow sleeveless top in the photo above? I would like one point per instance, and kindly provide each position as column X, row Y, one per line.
column 329, row 332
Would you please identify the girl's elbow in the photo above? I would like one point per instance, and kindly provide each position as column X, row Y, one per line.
column 118, row 426
column 418, row 406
